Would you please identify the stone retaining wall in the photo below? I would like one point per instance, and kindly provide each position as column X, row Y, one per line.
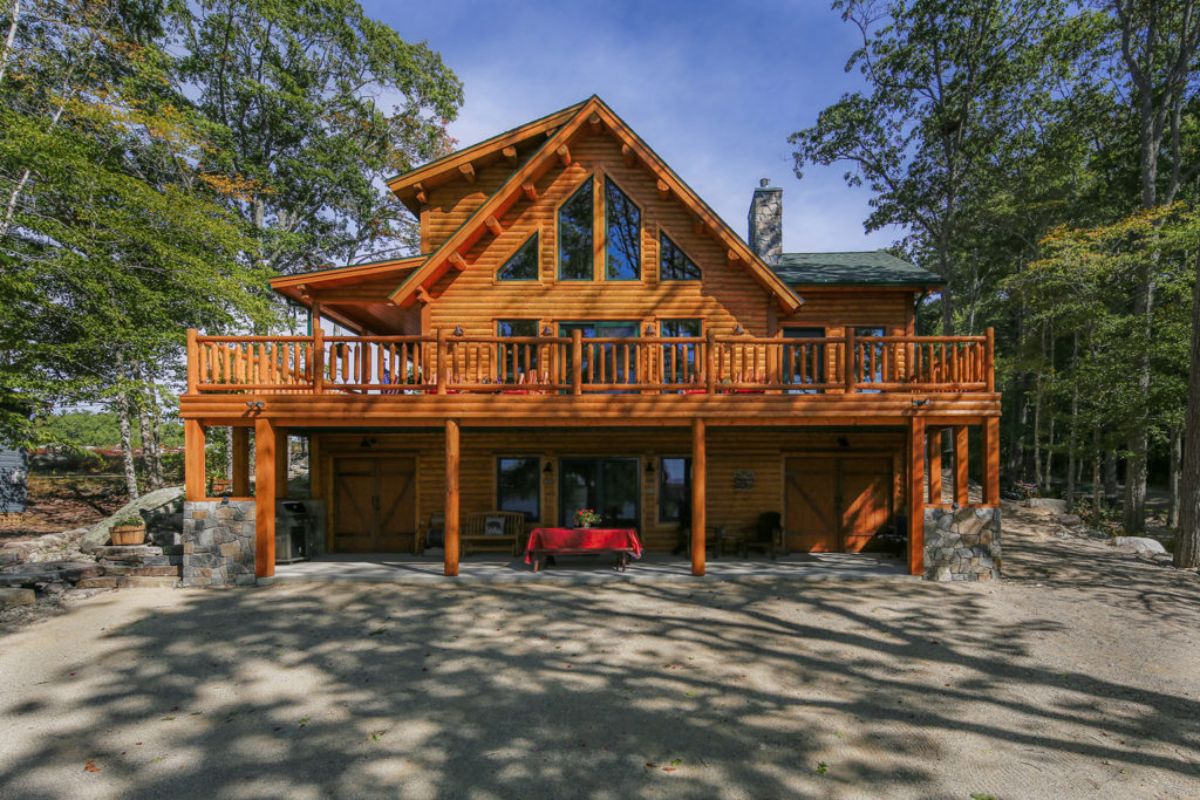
column 962, row 544
column 218, row 543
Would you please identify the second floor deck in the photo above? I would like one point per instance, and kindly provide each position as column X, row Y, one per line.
column 646, row 375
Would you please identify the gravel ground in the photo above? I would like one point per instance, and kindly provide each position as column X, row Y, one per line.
column 1076, row 677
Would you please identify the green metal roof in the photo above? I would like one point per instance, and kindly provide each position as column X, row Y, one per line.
column 864, row 268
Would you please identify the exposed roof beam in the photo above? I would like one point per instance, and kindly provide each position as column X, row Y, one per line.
column 510, row 153
column 664, row 191
column 493, row 225
column 564, row 155
column 531, row 192
column 628, row 154
column 596, row 125
column 457, row 261
column 468, row 172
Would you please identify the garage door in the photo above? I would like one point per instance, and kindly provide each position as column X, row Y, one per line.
column 375, row 509
column 836, row 503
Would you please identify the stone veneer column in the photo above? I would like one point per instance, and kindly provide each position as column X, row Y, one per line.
column 962, row 544
column 218, row 543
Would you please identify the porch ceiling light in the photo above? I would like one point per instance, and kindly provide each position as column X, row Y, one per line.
column 549, row 468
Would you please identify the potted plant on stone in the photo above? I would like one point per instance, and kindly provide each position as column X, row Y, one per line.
column 129, row 530
column 586, row 518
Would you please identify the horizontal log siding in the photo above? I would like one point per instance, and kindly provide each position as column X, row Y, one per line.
column 726, row 297
column 729, row 450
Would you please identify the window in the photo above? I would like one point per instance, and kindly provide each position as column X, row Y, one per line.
column 518, row 485
column 674, row 490
column 873, row 368
column 575, row 236
column 523, row 266
column 679, row 360
column 517, row 362
column 623, row 256
column 604, row 353
column 804, row 363
column 673, row 263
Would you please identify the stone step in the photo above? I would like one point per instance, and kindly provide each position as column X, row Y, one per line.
column 145, row 582
column 147, row 572
column 106, row 582
column 17, row 597
column 29, row 575
column 138, row 561
column 121, row 552
column 178, row 549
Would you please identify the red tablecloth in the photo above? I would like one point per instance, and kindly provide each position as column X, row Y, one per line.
column 550, row 540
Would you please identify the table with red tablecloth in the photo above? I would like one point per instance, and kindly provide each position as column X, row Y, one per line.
column 580, row 541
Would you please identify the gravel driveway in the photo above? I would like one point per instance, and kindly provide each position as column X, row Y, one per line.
column 1076, row 677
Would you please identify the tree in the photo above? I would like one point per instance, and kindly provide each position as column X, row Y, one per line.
column 300, row 91
column 1158, row 47
column 949, row 80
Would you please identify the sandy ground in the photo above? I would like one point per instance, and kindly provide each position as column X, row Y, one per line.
column 1076, row 677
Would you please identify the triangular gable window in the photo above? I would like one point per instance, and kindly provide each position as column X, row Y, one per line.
column 523, row 266
column 673, row 263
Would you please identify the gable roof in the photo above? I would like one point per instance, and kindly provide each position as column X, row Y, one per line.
column 408, row 185
column 857, row 268
column 594, row 112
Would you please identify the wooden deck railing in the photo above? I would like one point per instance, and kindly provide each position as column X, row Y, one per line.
column 448, row 364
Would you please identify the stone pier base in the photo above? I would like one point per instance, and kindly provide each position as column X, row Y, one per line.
column 962, row 544
column 218, row 543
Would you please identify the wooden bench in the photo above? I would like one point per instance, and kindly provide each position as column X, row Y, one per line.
column 473, row 535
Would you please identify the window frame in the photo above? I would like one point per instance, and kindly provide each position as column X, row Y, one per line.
column 539, row 462
column 662, row 234
column 658, row 487
column 558, row 239
column 602, row 200
column 535, row 235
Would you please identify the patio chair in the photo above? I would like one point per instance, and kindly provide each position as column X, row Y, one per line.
column 766, row 535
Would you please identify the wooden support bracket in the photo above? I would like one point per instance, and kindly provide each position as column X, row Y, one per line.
column 457, row 261
column 564, row 155
column 628, row 154
column 664, row 191
column 596, row 125
column 530, row 191
column 493, row 225
column 510, row 153
column 468, row 172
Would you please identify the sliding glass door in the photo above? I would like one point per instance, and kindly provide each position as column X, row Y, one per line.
column 608, row 486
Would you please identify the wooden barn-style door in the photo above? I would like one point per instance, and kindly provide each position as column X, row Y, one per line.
column 374, row 505
column 836, row 503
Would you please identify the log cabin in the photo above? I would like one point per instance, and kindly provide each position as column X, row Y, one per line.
column 581, row 330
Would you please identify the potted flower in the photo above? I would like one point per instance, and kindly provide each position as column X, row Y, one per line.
column 586, row 518
column 130, row 529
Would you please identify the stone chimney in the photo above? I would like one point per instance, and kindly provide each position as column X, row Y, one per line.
column 766, row 222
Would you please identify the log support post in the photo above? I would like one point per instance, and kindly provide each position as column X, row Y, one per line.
column 935, row 466
column 265, row 441
column 991, row 461
column 962, row 464
column 699, row 484
column 450, row 566
column 916, row 497
column 195, row 483
column 241, row 462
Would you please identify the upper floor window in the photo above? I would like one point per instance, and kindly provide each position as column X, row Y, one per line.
column 623, row 221
column 523, row 266
column 575, row 218
column 673, row 263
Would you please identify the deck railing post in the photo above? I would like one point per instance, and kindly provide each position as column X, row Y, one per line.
column 193, row 363
column 989, row 360
column 851, row 347
column 318, row 357
column 577, row 362
column 710, row 363
column 443, row 363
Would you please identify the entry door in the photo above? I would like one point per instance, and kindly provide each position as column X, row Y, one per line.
column 375, row 509
column 836, row 503
column 810, row 505
column 608, row 486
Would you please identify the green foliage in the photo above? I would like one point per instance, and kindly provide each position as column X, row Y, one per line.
column 101, row 429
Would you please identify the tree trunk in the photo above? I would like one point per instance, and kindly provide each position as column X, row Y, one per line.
column 1174, row 469
column 1187, row 541
column 123, row 413
column 229, row 454
column 1097, row 460
column 1072, row 436
column 1110, row 476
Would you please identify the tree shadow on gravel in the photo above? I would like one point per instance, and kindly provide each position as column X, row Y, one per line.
column 826, row 689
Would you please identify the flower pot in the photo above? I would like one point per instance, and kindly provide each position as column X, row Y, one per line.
column 221, row 486
column 128, row 534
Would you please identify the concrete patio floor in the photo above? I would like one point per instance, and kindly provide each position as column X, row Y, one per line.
column 405, row 568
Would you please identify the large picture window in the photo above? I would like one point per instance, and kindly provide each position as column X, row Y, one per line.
column 673, row 263
column 518, row 485
column 575, row 235
column 674, row 489
column 523, row 266
column 518, row 363
column 623, row 220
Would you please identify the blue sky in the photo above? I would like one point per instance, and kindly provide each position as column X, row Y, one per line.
column 714, row 88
